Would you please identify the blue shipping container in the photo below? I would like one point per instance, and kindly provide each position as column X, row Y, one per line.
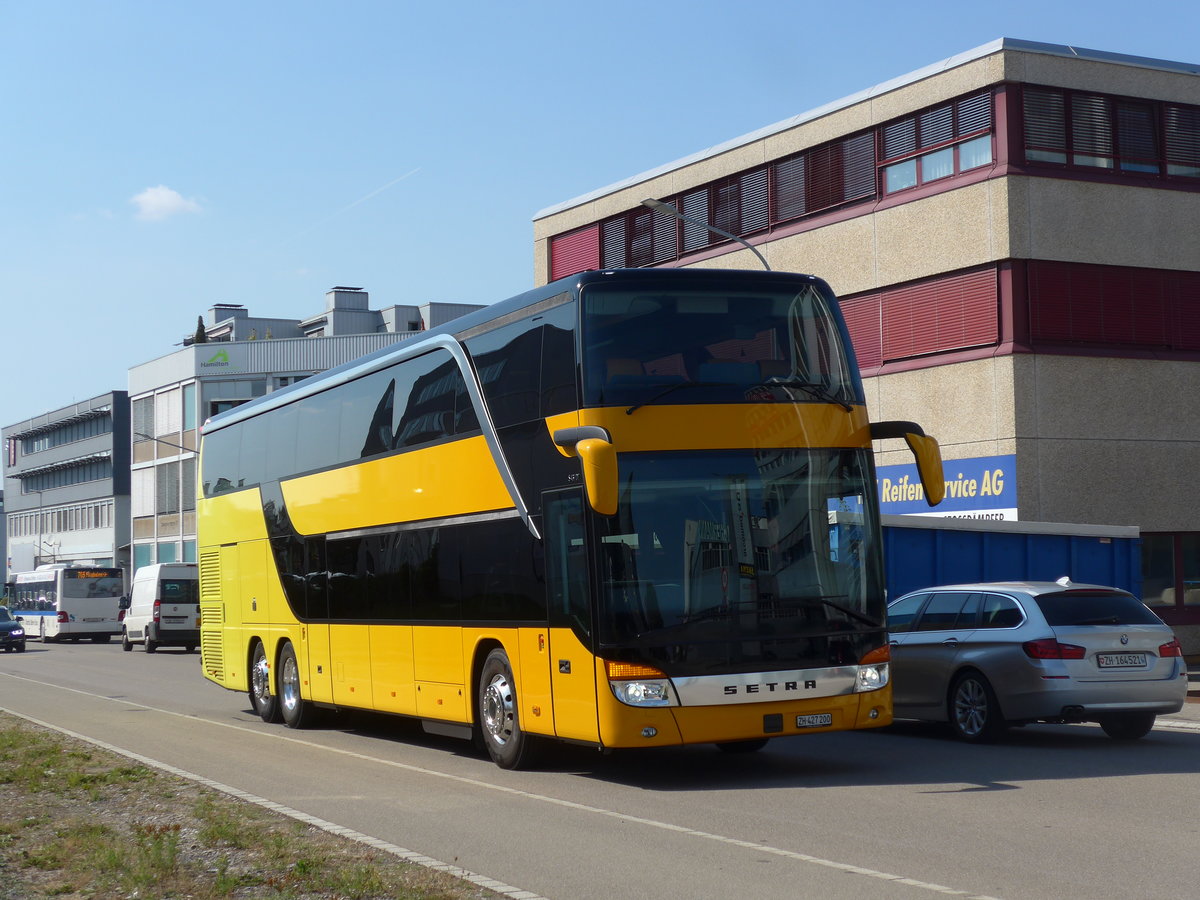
column 920, row 551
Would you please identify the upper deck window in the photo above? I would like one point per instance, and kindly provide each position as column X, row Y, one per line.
column 713, row 346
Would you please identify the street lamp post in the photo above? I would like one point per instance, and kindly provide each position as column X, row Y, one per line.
column 667, row 209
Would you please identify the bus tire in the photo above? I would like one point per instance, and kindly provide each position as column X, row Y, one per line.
column 125, row 645
column 296, row 711
column 264, row 702
column 499, row 720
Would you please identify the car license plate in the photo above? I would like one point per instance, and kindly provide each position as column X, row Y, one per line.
column 1120, row 660
column 816, row 721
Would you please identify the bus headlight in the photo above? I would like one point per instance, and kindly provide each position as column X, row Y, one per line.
column 642, row 693
column 872, row 678
column 635, row 684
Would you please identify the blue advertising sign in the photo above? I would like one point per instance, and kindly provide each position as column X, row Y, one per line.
column 981, row 488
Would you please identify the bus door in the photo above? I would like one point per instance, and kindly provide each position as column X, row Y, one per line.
column 572, row 664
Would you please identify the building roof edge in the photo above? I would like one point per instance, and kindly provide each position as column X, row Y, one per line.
column 951, row 62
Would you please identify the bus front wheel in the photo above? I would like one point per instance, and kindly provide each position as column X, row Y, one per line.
column 499, row 720
column 296, row 711
column 264, row 702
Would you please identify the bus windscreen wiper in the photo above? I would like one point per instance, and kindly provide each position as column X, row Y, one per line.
column 813, row 390
column 674, row 387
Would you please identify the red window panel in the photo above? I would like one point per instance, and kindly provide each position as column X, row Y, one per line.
column 575, row 252
column 948, row 313
column 1114, row 305
column 865, row 327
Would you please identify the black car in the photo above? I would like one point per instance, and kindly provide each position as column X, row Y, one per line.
column 12, row 632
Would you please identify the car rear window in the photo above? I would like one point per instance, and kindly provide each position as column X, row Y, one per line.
column 1071, row 608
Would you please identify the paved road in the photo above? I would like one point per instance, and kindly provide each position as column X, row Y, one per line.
column 1054, row 812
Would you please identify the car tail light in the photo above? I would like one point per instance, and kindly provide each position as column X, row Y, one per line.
column 1049, row 648
column 63, row 617
column 1171, row 649
column 157, row 611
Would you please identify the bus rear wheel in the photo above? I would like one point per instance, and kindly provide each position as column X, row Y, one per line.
column 499, row 720
column 264, row 702
column 296, row 711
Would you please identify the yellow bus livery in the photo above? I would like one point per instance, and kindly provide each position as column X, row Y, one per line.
column 632, row 508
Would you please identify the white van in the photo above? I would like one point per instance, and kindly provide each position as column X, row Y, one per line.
column 163, row 608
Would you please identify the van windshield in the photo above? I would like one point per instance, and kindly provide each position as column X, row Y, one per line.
column 180, row 590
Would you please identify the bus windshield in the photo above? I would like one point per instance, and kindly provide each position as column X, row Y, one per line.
column 713, row 346
column 92, row 583
column 731, row 558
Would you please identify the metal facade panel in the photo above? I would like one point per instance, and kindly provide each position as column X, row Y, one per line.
column 949, row 313
column 575, row 252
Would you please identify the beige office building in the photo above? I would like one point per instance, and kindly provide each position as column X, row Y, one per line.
column 1013, row 233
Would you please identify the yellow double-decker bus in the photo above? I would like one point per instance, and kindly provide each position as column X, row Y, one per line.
column 632, row 508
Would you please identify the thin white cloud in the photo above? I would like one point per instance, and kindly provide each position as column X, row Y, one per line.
column 157, row 203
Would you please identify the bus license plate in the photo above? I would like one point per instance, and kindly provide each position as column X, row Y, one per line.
column 1120, row 660
column 817, row 721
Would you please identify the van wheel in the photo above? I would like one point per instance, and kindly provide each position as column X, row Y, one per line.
column 125, row 645
column 264, row 702
column 296, row 711
column 190, row 648
column 101, row 638
column 151, row 646
column 499, row 719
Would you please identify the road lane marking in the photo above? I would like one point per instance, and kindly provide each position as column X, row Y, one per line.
column 491, row 786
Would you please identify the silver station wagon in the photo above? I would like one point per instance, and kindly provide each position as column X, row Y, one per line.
column 986, row 656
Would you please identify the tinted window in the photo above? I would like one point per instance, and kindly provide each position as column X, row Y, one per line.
column 941, row 614
column 426, row 388
column 1000, row 612
column 221, row 458
column 1071, row 608
column 497, row 573
column 509, row 362
column 901, row 613
column 317, row 432
column 558, row 361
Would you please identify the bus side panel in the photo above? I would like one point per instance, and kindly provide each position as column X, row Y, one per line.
column 573, row 673
column 350, row 649
column 392, row 669
column 257, row 586
column 438, row 672
column 537, row 712
column 314, row 640
column 455, row 478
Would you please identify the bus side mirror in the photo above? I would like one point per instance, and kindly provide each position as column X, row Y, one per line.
column 926, row 451
column 598, row 457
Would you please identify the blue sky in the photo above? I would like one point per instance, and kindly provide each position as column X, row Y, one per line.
column 160, row 157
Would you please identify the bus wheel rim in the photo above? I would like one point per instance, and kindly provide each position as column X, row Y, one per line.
column 498, row 709
column 262, row 679
column 290, row 687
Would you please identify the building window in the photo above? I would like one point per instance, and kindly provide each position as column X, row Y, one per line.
column 930, row 146
column 67, row 433
column 937, row 143
column 1083, row 130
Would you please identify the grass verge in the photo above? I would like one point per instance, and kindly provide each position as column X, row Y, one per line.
column 79, row 822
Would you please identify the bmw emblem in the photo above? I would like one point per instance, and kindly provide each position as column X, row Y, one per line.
column 1124, row 639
